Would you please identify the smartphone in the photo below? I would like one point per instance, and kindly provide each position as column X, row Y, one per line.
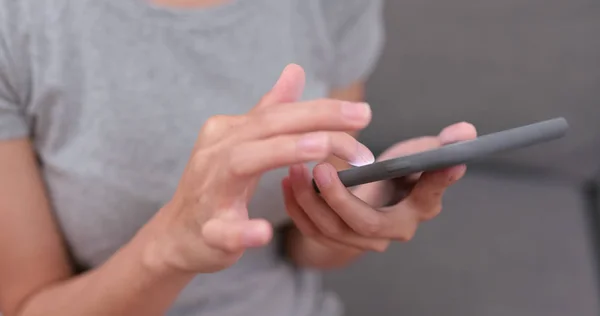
column 456, row 153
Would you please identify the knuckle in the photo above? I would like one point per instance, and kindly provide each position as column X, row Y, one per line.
column 320, row 145
column 336, row 109
column 214, row 125
column 267, row 121
column 327, row 110
column 231, row 245
column 325, row 102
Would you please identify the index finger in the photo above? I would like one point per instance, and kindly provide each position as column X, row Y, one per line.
column 305, row 117
column 288, row 88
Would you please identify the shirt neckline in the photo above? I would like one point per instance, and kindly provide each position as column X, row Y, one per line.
column 195, row 18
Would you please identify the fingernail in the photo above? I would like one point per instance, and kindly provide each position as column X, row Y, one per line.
column 356, row 111
column 322, row 176
column 363, row 156
column 313, row 142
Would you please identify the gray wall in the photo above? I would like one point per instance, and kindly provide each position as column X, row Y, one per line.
column 515, row 236
column 498, row 64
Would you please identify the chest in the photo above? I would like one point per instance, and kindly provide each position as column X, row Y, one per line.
column 117, row 103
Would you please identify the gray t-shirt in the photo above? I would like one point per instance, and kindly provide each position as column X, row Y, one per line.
column 113, row 93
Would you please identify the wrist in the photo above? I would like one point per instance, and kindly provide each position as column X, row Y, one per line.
column 158, row 250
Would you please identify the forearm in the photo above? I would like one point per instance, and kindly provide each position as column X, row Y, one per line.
column 309, row 253
column 124, row 285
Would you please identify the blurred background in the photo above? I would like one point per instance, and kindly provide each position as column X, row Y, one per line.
column 519, row 235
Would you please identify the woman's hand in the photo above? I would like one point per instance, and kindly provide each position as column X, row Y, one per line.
column 205, row 227
column 359, row 220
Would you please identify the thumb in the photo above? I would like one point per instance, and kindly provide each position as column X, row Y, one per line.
column 288, row 88
column 235, row 235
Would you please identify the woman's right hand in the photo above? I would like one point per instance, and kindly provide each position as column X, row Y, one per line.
column 205, row 227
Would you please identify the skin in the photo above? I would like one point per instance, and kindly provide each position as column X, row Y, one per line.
column 329, row 230
column 193, row 234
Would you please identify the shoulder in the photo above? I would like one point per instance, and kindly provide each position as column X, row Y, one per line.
column 14, row 35
column 21, row 19
column 24, row 27
column 355, row 32
column 347, row 18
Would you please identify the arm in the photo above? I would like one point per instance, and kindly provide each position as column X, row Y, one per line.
column 305, row 251
column 34, row 269
column 190, row 235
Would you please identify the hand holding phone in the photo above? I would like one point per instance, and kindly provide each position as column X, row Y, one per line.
column 455, row 154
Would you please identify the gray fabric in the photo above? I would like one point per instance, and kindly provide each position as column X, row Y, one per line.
column 114, row 92
column 503, row 245
column 497, row 64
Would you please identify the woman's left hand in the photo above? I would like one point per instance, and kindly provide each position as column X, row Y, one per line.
column 360, row 219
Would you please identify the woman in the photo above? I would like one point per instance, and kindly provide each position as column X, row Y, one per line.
column 112, row 203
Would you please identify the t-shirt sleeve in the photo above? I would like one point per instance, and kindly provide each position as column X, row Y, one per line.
column 356, row 31
column 12, row 119
column 13, row 123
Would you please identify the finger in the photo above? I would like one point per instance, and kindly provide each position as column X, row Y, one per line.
column 233, row 236
column 305, row 117
column 254, row 157
column 288, row 88
column 305, row 224
column 353, row 211
column 325, row 218
column 411, row 146
column 349, row 149
column 250, row 158
column 301, row 220
column 426, row 197
column 454, row 133
column 457, row 132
